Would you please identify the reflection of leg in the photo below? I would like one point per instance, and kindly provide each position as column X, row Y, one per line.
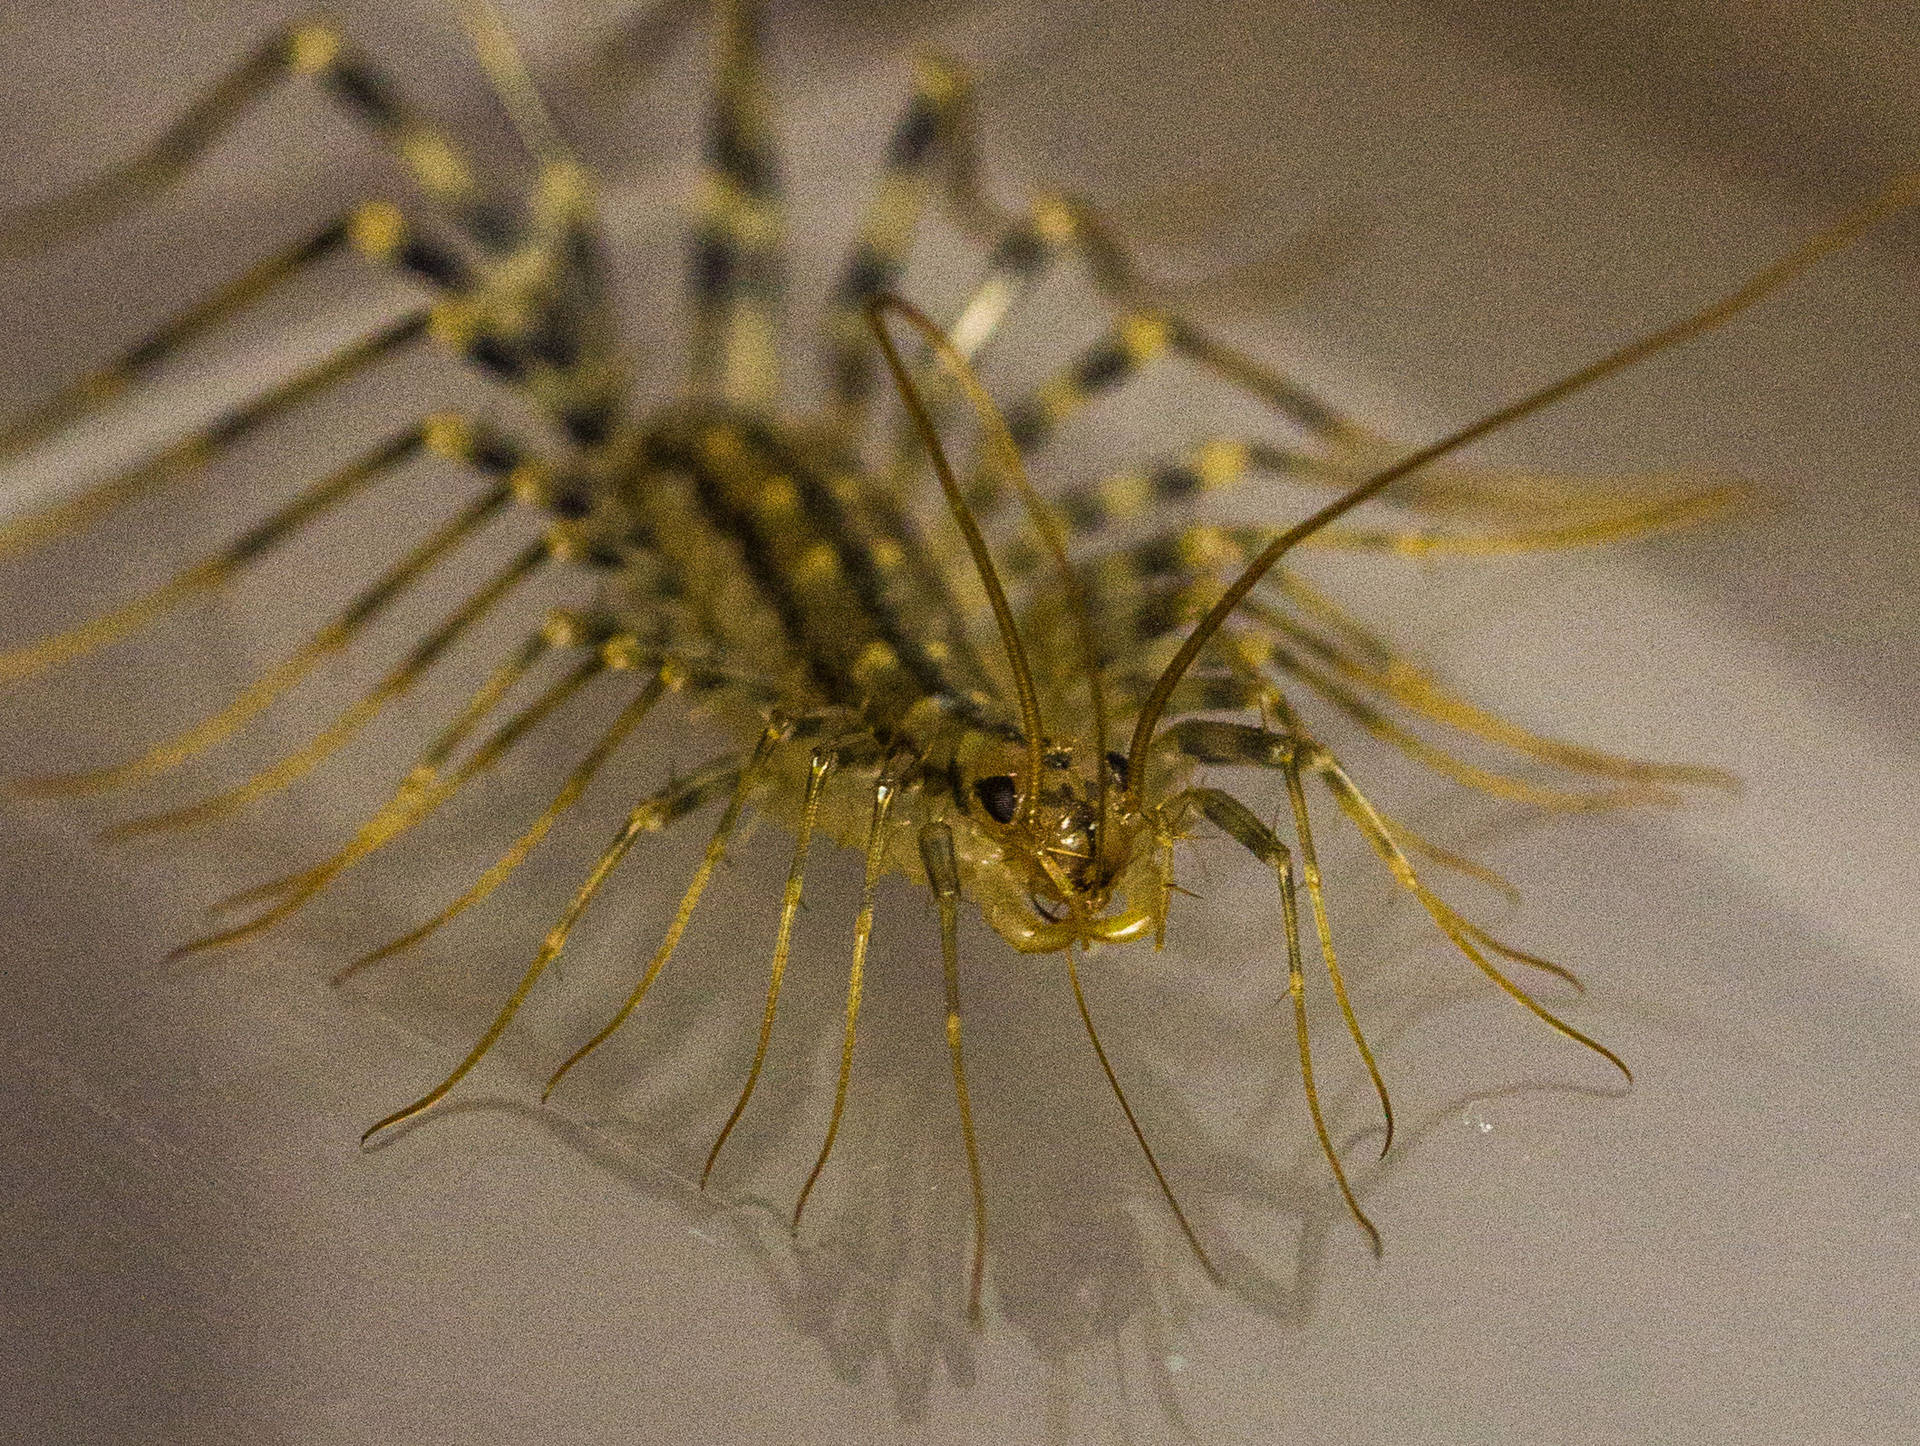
column 943, row 876
column 649, row 817
column 822, row 764
column 883, row 796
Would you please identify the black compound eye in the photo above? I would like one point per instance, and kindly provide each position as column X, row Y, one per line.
column 1118, row 766
column 998, row 797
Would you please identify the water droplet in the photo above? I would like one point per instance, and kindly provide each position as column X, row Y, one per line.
column 1176, row 1364
column 1475, row 1118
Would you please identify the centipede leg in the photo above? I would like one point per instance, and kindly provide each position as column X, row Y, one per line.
column 312, row 49
column 821, row 765
column 423, row 791
column 1471, row 940
column 496, row 874
column 883, row 796
column 736, row 264
column 287, row 770
column 1239, row 823
column 745, row 781
column 931, row 129
column 649, row 817
column 943, row 875
column 425, row 772
column 450, row 440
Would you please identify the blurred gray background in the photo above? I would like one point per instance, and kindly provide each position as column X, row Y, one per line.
column 1423, row 208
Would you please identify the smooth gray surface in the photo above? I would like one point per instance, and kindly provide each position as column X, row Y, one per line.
column 1424, row 209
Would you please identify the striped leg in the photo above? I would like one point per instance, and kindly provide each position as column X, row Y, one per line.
column 736, row 264
column 935, row 129
column 1145, row 595
column 1295, row 753
column 426, row 786
column 313, row 49
column 449, row 437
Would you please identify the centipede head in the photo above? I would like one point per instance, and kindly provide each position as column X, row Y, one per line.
column 1065, row 870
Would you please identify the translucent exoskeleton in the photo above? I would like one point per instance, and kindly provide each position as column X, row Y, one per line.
column 1022, row 735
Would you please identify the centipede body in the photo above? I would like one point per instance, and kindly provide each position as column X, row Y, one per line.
column 808, row 596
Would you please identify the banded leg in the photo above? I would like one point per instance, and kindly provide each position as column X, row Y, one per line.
column 496, row 874
column 420, row 793
column 373, row 229
column 650, row 817
column 448, row 437
column 1295, row 752
column 397, row 683
column 1467, row 937
column 210, row 574
column 935, row 128
column 313, row 49
column 417, row 786
column 1239, row 823
column 1151, row 591
column 183, row 458
column 736, row 263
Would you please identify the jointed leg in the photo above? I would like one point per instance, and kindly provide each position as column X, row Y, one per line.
column 317, row 499
column 450, row 440
column 306, row 48
column 736, row 260
column 187, row 455
column 883, row 795
column 744, row 781
column 576, row 784
column 943, row 876
column 423, row 791
column 396, row 684
column 822, row 764
column 650, row 817
column 934, row 128
column 1238, row 822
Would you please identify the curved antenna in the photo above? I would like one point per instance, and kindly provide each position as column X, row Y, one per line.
column 1899, row 193
column 1007, row 456
column 963, row 515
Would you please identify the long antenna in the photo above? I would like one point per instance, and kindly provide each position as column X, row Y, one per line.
column 1007, row 456
column 1899, row 193
column 969, row 528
